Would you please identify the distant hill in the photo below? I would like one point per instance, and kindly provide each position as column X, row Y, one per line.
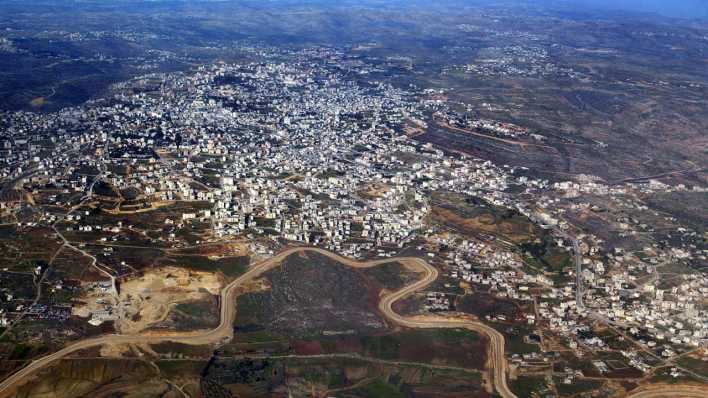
column 677, row 8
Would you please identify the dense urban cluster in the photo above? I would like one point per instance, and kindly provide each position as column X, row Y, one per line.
column 304, row 151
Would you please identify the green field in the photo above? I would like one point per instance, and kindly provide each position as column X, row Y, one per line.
column 524, row 386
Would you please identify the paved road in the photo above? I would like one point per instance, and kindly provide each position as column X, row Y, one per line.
column 224, row 332
column 578, row 261
column 520, row 144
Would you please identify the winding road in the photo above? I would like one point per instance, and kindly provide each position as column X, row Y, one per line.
column 224, row 332
column 669, row 391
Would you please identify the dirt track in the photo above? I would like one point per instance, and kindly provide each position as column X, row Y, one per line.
column 670, row 391
column 224, row 331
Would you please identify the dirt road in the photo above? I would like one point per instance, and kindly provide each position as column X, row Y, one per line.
column 670, row 391
column 224, row 331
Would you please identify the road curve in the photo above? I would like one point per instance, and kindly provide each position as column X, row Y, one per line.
column 224, row 332
column 669, row 391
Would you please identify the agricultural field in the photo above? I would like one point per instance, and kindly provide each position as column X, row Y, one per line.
column 475, row 216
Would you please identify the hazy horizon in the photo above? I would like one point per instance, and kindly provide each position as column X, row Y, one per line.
column 676, row 8
column 690, row 9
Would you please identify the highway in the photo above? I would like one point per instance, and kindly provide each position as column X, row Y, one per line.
column 224, row 332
